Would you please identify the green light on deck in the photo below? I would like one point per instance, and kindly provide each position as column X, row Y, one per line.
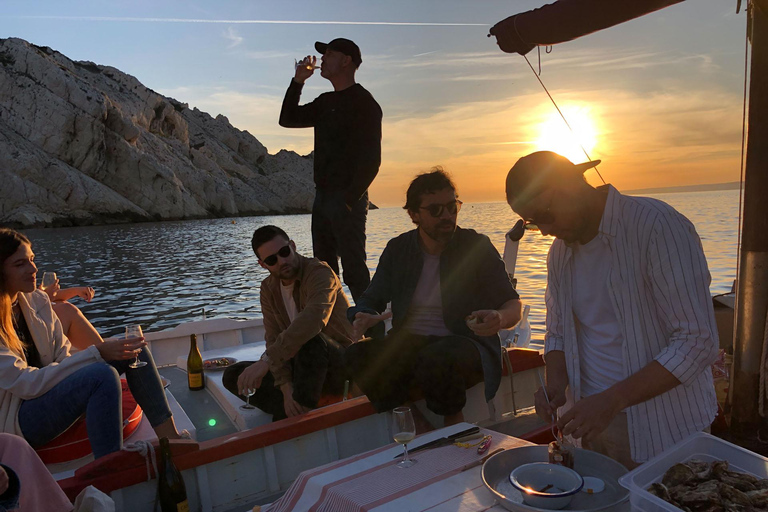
column 211, row 422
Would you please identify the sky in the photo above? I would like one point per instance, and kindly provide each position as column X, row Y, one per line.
column 657, row 99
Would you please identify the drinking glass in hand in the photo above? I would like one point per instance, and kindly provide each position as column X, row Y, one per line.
column 134, row 331
column 49, row 279
column 248, row 393
column 405, row 431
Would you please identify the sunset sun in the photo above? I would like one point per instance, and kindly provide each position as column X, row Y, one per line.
column 554, row 135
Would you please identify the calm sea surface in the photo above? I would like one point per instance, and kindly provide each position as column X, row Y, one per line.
column 162, row 274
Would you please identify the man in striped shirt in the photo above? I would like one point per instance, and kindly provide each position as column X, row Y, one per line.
column 631, row 331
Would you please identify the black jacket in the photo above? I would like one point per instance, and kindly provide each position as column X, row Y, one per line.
column 472, row 277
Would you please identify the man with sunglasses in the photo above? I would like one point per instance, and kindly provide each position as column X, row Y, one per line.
column 304, row 310
column 631, row 331
column 347, row 156
column 450, row 295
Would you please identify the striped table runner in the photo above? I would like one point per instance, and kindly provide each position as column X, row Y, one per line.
column 370, row 480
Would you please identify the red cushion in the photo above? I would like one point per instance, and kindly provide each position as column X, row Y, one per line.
column 73, row 444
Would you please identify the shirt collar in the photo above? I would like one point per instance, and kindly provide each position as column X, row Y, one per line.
column 609, row 224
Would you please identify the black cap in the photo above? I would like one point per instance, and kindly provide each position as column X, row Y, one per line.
column 341, row 45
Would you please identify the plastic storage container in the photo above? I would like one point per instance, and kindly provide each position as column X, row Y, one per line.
column 699, row 446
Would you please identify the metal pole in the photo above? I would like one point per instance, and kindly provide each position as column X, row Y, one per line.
column 752, row 291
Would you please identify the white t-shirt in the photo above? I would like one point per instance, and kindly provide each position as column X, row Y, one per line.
column 290, row 304
column 597, row 329
column 425, row 316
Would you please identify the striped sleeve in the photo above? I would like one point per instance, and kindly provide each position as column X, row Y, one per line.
column 680, row 286
column 553, row 339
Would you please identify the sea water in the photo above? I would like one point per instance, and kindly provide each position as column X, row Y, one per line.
column 161, row 274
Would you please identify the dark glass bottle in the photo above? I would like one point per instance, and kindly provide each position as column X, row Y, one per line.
column 195, row 376
column 171, row 490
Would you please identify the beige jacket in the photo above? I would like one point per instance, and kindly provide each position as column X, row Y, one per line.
column 321, row 305
column 19, row 382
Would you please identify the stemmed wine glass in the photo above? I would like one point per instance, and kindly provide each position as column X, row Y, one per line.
column 404, row 432
column 248, row 393
column 134, row 331
column 49, row 279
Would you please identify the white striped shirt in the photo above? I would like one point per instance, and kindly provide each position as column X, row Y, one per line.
column 659, row 286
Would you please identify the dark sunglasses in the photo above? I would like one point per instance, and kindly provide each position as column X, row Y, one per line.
column 436, row 210
column 284, row 252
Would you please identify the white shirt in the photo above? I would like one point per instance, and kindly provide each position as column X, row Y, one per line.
column 659, row 285
column 597, row 328
column 425, row 316
column 290, row 304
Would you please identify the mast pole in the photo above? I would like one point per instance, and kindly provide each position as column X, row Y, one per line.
column 752, row 288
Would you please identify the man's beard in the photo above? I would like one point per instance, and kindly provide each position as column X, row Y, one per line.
column 288, row 271
column 441, row 235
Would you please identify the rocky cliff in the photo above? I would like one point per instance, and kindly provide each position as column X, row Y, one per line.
column 82, row 143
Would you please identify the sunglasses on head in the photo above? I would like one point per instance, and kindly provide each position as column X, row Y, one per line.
column 284, row 252
column 436, row 210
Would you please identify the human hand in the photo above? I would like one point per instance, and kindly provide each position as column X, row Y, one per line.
column 547, row 410
column 364, row 321
column 305, row 68
column 485, row 322
column 52, row 290
column 590, row 415
column 252, row 376
column 5, row 482
column 84, row 292
column 507, row 37
column 292, row 407
column 118, row 349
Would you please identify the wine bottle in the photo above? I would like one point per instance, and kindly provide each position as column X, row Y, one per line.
column 195, row 377
column 171, row 489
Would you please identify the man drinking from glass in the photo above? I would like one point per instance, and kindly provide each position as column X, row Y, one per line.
column 450, row 295
column 304, row 309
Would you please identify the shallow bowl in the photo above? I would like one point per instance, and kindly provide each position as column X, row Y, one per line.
column 545, row 485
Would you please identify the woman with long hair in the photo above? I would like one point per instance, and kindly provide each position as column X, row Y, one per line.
column 43, row 388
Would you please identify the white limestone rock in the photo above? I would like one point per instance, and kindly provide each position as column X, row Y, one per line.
column 82, row 143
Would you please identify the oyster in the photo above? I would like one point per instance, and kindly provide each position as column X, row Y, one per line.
column 679, row 474
column 699, row 486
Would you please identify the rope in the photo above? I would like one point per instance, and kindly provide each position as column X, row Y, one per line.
column 146, row 450
column 561, row 114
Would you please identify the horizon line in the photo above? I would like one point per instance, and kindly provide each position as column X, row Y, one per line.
column 247, row 22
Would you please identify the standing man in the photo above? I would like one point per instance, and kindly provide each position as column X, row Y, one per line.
column 347, row 125
column 631, row 330
column 450, row 295
column 306, row 329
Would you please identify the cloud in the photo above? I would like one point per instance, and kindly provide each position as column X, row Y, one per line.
column 233, row 37
column 128, row 19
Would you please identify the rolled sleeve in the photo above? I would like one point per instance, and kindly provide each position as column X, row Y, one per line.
column 680, row 285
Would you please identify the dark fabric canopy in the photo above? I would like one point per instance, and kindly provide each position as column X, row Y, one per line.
column 566, row 20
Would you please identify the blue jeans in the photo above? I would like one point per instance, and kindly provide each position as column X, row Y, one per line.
column 95, row 390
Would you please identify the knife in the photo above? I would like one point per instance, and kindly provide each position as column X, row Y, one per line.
column 442, row 441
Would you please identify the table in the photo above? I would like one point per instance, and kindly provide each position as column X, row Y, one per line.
column 371, row 481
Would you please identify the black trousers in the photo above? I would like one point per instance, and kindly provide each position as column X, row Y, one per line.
column 317, row 369
column 441, row 368
column 337, row 233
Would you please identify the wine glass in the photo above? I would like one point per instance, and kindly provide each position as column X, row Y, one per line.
column 248, row 393
column 134, row 331
column 49, row 279
column 405, row 431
